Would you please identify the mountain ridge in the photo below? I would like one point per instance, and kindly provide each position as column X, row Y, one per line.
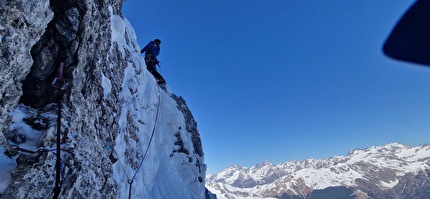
column 374, row 171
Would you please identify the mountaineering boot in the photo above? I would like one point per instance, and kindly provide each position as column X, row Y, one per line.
column 161, row 81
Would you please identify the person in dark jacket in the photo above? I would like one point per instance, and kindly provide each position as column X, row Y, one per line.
column 152, row 50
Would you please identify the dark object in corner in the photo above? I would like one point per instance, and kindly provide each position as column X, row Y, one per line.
column 410, row 39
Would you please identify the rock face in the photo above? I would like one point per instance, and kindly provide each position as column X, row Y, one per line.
column 393, row 171
column 117, row 126
column 18, row 33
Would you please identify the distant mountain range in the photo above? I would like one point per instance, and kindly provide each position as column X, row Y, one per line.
column 393, row 171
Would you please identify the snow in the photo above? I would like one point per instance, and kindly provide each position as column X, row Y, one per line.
column 367, row 164
column 158, row 168
column 163, row 174
column 328, row 177
column 6, row 167
column 389, row 184
column 118, row 31
column 246, row 193
column 33, row 137
column 106, row 85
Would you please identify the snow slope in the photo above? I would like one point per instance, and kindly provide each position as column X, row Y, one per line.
column 153, row 112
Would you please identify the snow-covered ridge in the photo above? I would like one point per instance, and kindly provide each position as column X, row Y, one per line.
column 153, row 110
column 382, row 166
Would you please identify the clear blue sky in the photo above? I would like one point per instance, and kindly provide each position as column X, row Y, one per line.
column 284, row 80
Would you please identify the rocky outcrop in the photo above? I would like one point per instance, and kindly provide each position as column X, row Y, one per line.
column 191, row 124
column 413, row 186
column 78, row 34
column 18, row 32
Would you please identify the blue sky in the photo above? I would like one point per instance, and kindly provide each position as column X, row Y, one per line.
column 284, row 80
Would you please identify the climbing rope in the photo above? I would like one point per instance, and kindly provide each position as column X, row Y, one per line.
column 57, row 188
column 59, row 84
column 130, row 181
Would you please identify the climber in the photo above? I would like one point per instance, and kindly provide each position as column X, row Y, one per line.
column 151, row 50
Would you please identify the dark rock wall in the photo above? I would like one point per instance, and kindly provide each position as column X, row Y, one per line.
column 78, row 34
column 18, row 33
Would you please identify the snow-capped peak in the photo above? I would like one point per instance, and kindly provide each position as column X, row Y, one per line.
column 383, row 167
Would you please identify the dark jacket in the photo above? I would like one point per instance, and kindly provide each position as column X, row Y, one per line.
column 151, row 48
